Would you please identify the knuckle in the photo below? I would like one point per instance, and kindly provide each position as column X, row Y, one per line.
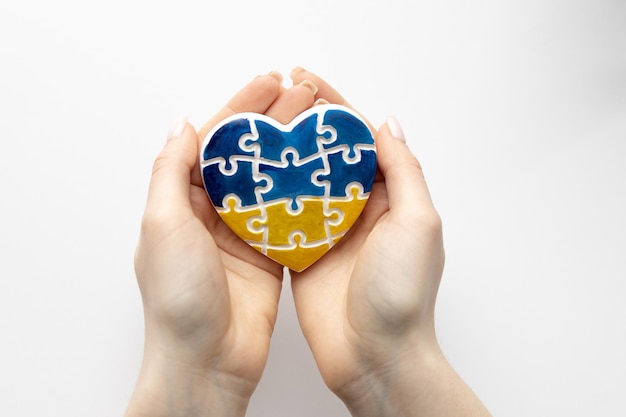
column 162, row 160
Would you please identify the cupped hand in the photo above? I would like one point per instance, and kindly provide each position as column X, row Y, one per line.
column 366, row 307
column 210, row 300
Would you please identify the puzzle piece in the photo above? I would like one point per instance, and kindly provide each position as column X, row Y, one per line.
column 279, row 221
column 343, row 173
column 223, row 147
column 243, row 183
column 292, row 179
column 298, row 255
column 351, row 207
column 349, row 131
column 301, row 138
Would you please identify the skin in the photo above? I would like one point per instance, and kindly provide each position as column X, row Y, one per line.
column 366, row 308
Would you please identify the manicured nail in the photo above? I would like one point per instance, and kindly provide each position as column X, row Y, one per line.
column 396, row 129
column 177, row 128
column 295, row 71
column 309, row 84
column 320, row 101
column 276, row 75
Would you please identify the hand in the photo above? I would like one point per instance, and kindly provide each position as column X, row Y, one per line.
column 367, row 307
column 210, row 300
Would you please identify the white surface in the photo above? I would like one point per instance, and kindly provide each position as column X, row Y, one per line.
column 517, row 110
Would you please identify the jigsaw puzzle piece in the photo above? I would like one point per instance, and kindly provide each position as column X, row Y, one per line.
column 342, row 174
column 280, row 222
column 291, row 179
column 241, row 183
column 274, row 141
column 349, row 130
column 239, row 219
column 223, row 147
column 298, row 255
column 351, row 207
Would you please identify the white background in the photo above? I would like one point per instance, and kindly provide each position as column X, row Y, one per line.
column 516, row 109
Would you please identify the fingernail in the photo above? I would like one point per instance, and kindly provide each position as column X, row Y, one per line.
column 295, row 71
column 396, row 129
column 309, row 84
column 177, row 128
column 320, row 101
column 276, row 75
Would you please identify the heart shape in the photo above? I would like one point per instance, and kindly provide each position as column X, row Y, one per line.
column 290, row 191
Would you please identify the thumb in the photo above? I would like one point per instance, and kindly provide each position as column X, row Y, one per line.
column 171, row 173
column 404, row 179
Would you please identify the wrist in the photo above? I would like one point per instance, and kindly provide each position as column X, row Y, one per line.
column 394, row 385
column 416, row 382
column 167, row 388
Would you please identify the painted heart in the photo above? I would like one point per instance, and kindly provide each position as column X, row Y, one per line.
column 290, row 191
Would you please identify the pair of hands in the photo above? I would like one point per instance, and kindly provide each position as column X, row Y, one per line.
column 210, row 301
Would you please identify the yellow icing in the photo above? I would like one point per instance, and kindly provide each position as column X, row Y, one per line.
column 281, row 223
column 351, row 210
column 298, row 239
column 298, row 258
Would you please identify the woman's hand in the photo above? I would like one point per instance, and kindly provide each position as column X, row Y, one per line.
column 367, row 307
column 210, row 300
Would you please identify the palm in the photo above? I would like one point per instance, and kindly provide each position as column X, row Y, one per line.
column 253, row 285
column 193, row 275
column 209, row 297
column 325, row 293
column 378, row 283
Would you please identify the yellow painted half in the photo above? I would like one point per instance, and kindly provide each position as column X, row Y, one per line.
column 294, row 240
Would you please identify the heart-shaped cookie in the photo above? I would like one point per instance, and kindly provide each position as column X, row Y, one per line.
column 290, row 191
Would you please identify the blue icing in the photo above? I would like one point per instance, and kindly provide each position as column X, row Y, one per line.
column 292, row 181
column 224, row 142
column 219, row 185
column 342, row 174
column 350, row 130
column 302, row 137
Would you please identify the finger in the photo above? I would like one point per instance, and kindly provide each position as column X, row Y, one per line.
column 168, row 193
column 404, row 179
column 293, row 102
column 324, row 90
column 257, row 96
